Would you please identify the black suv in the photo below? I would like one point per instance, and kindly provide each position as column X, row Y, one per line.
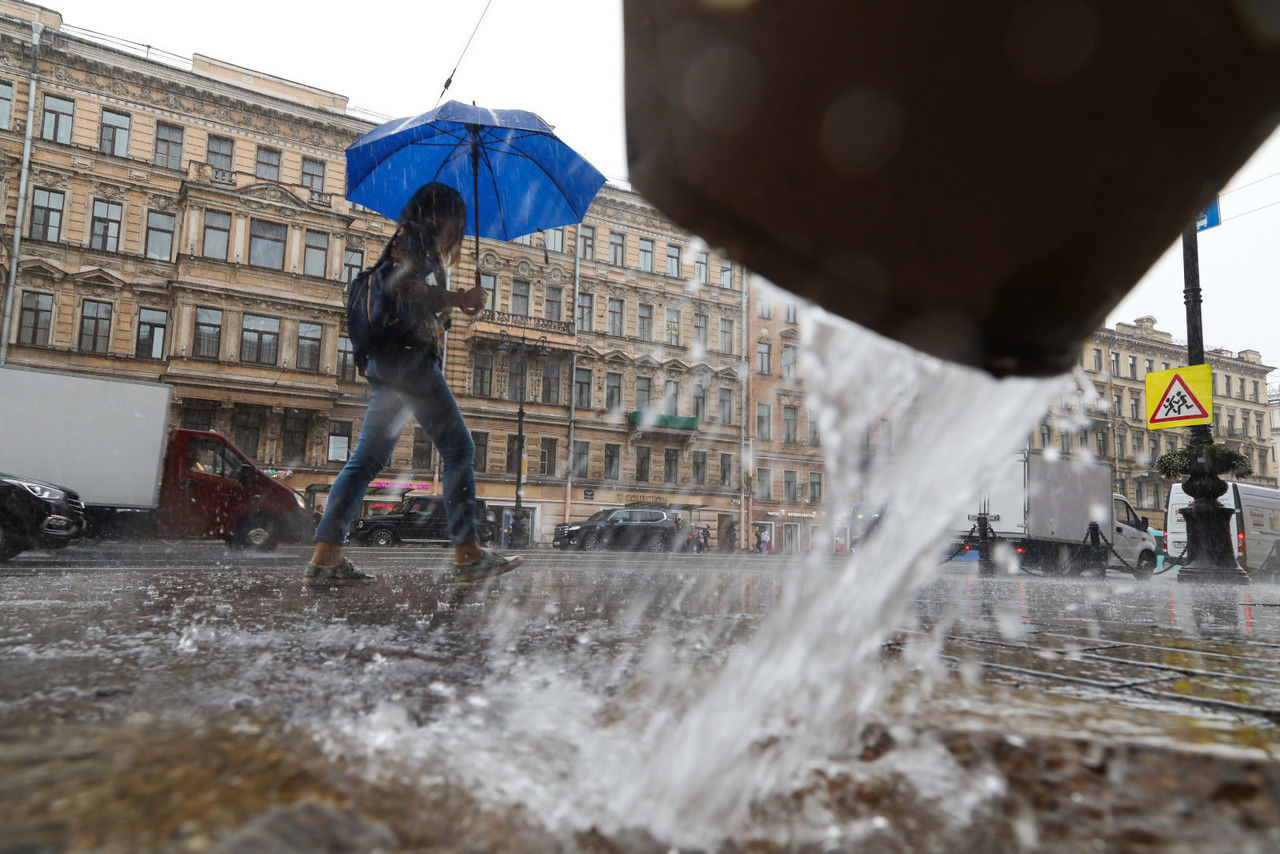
column 653, row 529
column 37, row 515
column 418, row 518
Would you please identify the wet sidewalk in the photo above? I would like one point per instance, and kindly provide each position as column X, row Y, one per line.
column 188, row 698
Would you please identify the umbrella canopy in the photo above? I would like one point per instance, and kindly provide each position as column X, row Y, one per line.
column 514, row 173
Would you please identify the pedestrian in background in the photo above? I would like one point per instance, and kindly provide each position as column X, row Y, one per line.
column 405, row 379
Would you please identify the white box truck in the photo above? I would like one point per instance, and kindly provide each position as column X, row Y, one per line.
column 1255, row 527
column 104, row 445
column 1042, row 509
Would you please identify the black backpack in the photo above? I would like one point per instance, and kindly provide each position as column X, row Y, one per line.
column 376, row 319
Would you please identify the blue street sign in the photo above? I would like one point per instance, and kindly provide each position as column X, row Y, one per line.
column 1209, row 217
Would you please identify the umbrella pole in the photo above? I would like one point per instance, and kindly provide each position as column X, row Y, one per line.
column 475, row 195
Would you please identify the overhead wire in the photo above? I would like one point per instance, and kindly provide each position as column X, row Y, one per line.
column 449, row 80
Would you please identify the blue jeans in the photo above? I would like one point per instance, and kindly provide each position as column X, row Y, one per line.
column 406, row 382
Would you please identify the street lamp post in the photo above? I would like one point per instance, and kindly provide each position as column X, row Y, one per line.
column 523, row 348
column 1210, row 554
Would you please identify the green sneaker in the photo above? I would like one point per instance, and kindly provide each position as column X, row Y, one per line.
column 342, row 572
column 489, row 564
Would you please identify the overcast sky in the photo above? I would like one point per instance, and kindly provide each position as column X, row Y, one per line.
column 562, row 59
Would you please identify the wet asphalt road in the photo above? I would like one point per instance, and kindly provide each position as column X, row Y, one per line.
column 203, row 655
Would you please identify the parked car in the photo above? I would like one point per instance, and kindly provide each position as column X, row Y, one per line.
column 653, row 529
column 36, row 515
column 419, row 518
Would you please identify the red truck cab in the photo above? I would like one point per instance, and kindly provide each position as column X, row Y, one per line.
column 208, row 488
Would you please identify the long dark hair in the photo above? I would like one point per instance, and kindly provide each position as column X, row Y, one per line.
column 435, row 210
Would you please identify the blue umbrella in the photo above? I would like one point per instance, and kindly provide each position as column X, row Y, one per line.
column 514, row 173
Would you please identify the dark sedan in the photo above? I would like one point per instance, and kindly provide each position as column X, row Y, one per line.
column 651, row 529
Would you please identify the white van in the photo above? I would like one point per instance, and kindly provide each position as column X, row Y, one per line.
column 1255, row 526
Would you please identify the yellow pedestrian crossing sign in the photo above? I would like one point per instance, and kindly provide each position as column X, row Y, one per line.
column 1182, row 397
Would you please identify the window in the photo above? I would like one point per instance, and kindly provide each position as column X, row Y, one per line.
column 516, row 378
column 764, row 355
column 490, row 285
column 789, row 492
column 613, row 392
column 217, row 234
column 151, row 327
column 1150, row 365
column 197, row 415
column 699, row 467
column 612, row 461
column 617, row 248
column 1255, row 395
column 513, row 454
column 553, row 240
column 95, row 326
column 46, row 214
column 293, row 436
column 482, row 375
column 104, row 233
column 1262, row 463
column 313, row 174
column 673, row 326
column 700, row 331
column 113, row 133
column 35, row 319
column 1134, row 407
column 207, row 343
column 790, row 423
column 352, row 263
column 168, row 145
column 248, row 430
column 765, row 309
column 56, row 122
column 1117, row 403
column 764, row 484
column 726, row 274
column 764, row 422
column 1137, row 444
column 586, row 242
column 6, row 104
column 673, row 260
column 520, row 298
column 700, row 268
column 671, row 397
column 671, row 465
column 550, row 381
column 644, row 391
column 309, row 337
column 481, row 441
column 1045, row 435
column 582, row 388
column 644, row 322
column 1240, row 388
column 339, row 441
column 547, row 458
column 315, row 253
column 1100, row 440
column 700, row 401
column 726, row 406
column 726, row 335
column 159, row 235
column 267, row 163
column 581, row 456
column 726, row 469
column 583, row 312
column 789, row 312
column 814, row 438
column 646, row 255
column 219, row 155
column 259, row 339
column 815, row 488
column 266, row 243
column 642, row 463
column 788, row 362
column 346, row 360
column 553, row 304
column 1097, row 359
column 1133, row 367
column 1065, row 438
column 615, row 316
